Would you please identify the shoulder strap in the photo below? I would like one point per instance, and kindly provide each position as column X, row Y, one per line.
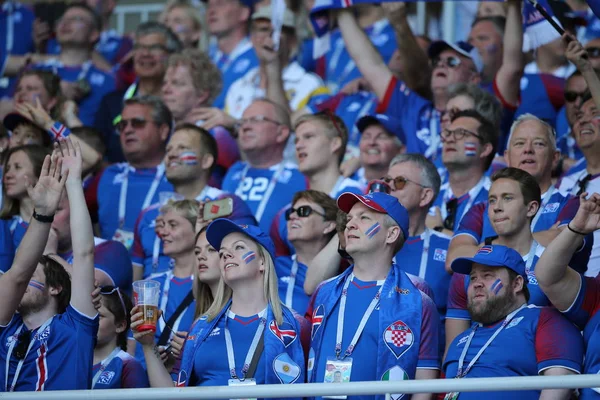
column 256, row 357
column 166, row 333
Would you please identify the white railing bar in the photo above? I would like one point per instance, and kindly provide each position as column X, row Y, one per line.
column 321, row 389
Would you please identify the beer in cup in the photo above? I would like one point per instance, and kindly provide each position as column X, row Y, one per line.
column 145, row 296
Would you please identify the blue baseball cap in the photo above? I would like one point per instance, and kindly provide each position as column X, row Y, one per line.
column 380, row 202
column 492, row 256
column 221, row 227
column 392, row 125
column 462, row 48
column 247, row 3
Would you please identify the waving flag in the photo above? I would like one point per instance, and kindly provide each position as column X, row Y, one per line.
column 537, row 31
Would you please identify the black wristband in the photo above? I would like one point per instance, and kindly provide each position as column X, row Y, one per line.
column 574, row 231
column 47, row 219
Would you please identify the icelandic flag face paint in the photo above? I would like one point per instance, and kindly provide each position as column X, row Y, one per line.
column 188, row 158
column 497, row 286
column 37, row 285
column 249, row 257
column 470, row 149
column 372, row 231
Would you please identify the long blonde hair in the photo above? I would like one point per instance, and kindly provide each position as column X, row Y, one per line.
column 271, row 291
column 202, row 293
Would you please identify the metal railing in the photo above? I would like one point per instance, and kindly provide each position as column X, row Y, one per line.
column 142, row 11
column 322, row 389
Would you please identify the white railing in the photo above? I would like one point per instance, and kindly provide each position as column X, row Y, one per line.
column 321, row 389
column 142, row 10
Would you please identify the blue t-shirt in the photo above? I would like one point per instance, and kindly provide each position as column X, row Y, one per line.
column 17, row 227
column 364, row 366
column 477, row 194
column 534, row 340
column 101, row 83
column 7, row 248
column 584, row 313
column 298, row 300
column 565, row 142
column 266, row 191
column 61, row 357
column 138, row 186
column 111, row 46
column 212, row 369
column 17, row 19
column 433, row 270
column 541, row 95
column 122, row 372
column 232, row 66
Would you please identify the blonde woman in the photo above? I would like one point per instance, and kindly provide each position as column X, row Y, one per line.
column 247, row 336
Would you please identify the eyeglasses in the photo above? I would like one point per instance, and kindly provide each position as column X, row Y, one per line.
column 450, row 61
column 302, row 212
column 136, row 123
column 451, row 209
column 379, row 186
column 22, row 346
column 108, row 290
column 152, row 48
column 255, row 120
column 399, row 182
column 593, row 52
column 459, row 133
column 572, row 96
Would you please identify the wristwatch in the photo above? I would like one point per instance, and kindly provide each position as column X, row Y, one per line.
column 47, row 219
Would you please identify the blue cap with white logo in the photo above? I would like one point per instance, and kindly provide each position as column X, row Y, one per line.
column 221, row 227
column 492, row 256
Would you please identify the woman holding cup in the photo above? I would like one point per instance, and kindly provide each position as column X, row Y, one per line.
column 247, row 336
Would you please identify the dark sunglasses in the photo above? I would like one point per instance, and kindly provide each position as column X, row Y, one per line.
column 593, row 51
column 451, row 61
column 108, row 290
column 399, row 182
column 302, row 212
column 451, row 208
column 379, row 186
column 572, row 96
column 22, row 346
column 136, row 123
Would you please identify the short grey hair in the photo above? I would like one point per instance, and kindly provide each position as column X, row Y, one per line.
column 484, row 102
column 550, row 132
column 429, row 174
column 161, row 115
column 147, row 28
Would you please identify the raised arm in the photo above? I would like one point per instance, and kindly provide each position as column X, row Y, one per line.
column 578, row 56
column 508, row 78
column 82, row 235
column 365, row 55
column 271, row 61
column 324, row 266
column 559, row 282
column 45, row 196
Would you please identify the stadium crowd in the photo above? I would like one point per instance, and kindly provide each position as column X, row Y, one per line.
column 315, row 192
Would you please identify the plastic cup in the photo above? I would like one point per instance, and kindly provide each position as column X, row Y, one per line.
column 145, row 296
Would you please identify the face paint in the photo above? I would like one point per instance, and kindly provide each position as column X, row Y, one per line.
column 497, row 286
column 188, row 158
column 492, row 48
column 470, row 149
column 249, row 257
column 37, row 285
column 372, row 231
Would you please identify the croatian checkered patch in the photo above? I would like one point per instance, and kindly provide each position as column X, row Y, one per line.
column 398, row 337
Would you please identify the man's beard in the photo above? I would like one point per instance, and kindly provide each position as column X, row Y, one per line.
column 33, row 305
column 493, row 309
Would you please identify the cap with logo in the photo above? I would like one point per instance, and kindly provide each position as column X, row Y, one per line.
column 392, row 125
column 463, row 48
column 289, row 21
column 221, row 227
column 491, row 256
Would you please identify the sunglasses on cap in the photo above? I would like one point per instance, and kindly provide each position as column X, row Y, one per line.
column 136, row 123
column 399, row 182
column 379, row 186
column 108, row 290
column 302, row 212
column 571, row 96
column 451, row 209
column 450, row 61
column 22, row 346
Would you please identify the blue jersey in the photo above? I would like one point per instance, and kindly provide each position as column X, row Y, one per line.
column 556, row 207
column 291, row 283
column 232, row 66
column 584, row 313
column 266, row 191
column 112, row 46
column 122, row 372
column 16, row 24
column 565, row 142
column 139, row 185
column 100, row 82
column 173, row 291
column 18, row 227
column 477, row 194
column 60, row 358
column 541, row 95
column 432, row 268
column 7, row 248
column 534, row 340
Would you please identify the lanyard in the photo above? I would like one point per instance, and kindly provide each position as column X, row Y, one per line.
column 22, row 361
column 251, row 350
column 242, row 47
column 473, row 193
column 434, row 136
column 163, row 305
column 460, row 373
column 104, row 364
column 337, row 187
column 85, row 68
column 160, row 170
column 531, row 256
column 361, row 325
column 155, row 253
column 16, row 222
column 289, row 292
column 424, row 253
column 260, row 210
column 545, row 200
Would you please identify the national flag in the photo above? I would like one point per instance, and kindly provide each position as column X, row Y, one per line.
column 485, row 250
column 317, row 319
column 537, row 31
column 398, row 338
column 188, row 158
column 470, row 149
column 395, row 374
column 249, row 257
column 58, row 131
column 372, row 231
column 285, row 332
column 286, row 369
column 36, row 284
column 181, row 379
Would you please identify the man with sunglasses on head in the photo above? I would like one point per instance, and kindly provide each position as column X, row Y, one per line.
column 264, row 181
column 125, row 189
column 468, row 149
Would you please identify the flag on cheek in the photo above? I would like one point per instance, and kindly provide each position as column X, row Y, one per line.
column 188, row 158
column 470, row 149
column 372, row 231
column 249, row 257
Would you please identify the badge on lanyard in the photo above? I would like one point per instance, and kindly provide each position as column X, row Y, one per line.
column 245, row 382
column 337, row 371
column 124, row 237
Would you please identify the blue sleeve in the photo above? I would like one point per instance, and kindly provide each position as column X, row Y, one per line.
column 557, row 342
column 472, row 222
column 7, row 250
column 134, row 375
column 595, row 6
column 429, row 354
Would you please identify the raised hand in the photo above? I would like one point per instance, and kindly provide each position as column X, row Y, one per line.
column 395, row 9
column 46, row 193
column 71, row 159
column 211, row 117
column 576, row 53
column 587, row 219
column 35, row 113
column 146, row 338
